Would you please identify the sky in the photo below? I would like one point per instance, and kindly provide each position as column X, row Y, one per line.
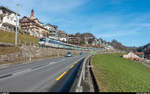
column 127, row 21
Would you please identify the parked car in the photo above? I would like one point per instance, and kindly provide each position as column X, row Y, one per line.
column 69, row 54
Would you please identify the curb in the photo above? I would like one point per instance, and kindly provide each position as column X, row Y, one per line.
column 94, row 80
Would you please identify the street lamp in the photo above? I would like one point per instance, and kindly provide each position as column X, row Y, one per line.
column 16, row 37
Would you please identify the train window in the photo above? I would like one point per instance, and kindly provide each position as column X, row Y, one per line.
column 42, row 39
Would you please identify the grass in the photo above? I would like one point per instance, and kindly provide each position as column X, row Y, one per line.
column 9, row 37
column 148, row 63
column 116, row 74
column 6, row 50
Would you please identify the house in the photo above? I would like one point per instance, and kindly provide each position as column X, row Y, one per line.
column 131, row 56
column 62, row 36
column 8, row 19
column 31, row 25
column 99, row 43
column 51, row 27
column 140, row 54
column 74, row 39
column 88, row 38
column 52, row 30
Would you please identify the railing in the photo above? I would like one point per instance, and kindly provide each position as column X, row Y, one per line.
column 81, row 77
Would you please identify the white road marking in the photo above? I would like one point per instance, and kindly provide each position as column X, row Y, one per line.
column 21, row 72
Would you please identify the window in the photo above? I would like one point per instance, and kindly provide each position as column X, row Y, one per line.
column 4, row 12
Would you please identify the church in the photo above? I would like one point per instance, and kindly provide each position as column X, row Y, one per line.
column 31, row 25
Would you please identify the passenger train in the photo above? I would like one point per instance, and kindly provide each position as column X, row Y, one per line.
column 58, row 44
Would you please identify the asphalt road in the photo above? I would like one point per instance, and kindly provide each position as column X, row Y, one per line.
column 36, row 76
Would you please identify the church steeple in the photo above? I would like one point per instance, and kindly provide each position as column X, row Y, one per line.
column 32, row 13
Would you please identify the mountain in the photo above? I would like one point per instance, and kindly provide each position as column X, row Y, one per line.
column 119, row 46
column 145, row 49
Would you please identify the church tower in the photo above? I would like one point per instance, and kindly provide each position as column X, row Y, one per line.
column 32, row 13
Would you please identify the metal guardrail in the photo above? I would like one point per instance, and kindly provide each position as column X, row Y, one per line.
column 82, row 76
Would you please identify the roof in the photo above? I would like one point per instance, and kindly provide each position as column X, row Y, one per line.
column 139, row 53
column 32, row 22
column 71, row 35
column 61, row 32
column 51, row 25
column 48, row 25
column 5, row 8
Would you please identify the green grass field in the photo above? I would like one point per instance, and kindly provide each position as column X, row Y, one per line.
column 9, row 37
column 116, row 74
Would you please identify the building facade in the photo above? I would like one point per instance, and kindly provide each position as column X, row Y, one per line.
column 31, row 25
column 62, row 36
column 8, row 19
column 52, row 30
column 74, row 39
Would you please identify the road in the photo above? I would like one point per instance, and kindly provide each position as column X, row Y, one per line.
column 36, row 76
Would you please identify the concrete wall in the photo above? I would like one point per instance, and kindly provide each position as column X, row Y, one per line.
column 33, row 52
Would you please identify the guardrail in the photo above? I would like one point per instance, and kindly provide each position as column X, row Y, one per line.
column 82, row 76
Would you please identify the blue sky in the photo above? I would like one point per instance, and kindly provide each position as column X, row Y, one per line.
column 127, row 21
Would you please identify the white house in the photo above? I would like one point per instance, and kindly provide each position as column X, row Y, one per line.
column 63, row 39
column 130, row 55
column 51, row 27
column 8, row 19
column 53, row 31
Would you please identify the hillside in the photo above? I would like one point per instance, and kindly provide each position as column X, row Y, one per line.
column 9, row 37
column 146, row 50
column 119, row 46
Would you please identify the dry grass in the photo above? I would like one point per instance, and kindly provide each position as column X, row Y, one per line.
column 6, row 50
column 9, row 37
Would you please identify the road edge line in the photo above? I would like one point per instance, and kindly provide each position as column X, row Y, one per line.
column 58, row 78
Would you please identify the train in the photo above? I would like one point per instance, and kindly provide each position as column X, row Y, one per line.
column 47, row 42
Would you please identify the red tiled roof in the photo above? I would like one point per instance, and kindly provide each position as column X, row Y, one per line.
column 139, row 53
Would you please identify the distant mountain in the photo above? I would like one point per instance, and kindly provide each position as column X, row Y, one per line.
column 119, row 46
column 145, row 49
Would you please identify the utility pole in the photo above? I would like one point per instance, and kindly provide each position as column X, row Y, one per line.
column 17, row 23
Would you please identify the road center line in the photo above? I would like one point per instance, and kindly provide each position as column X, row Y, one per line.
column 61, row 76
column 68, row 70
